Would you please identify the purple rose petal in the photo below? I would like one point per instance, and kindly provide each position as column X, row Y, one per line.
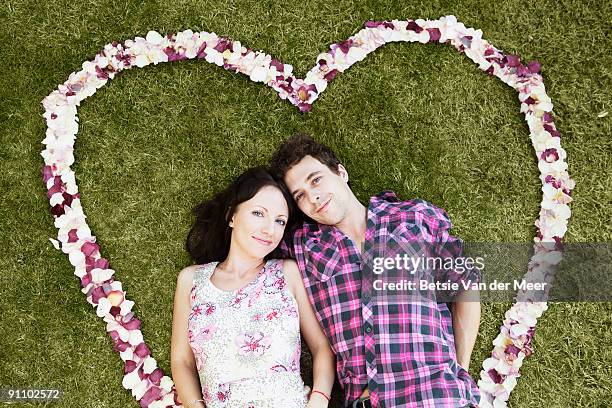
column 156, row 376
column 97, row 294
column 495, row 376
column 550, row 155
column 522, row 70
column 57, row 210
column 130, row 366
column 122, row 346
column 133, row 324
column 534, row 66
column 331, row 75
column 72, row 235
column 201, row 52
column 85, row 280
column 434, row 34
column 513, row 60
column 550, row 129
column 277, row 64
column 142, row 350
column 89, row 248
column 413, row 26
column 513, row 350
column 372, row 24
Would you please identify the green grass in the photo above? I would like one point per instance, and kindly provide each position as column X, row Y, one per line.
column 419, row 119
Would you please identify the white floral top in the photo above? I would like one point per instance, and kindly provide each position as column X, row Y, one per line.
column 246, row 342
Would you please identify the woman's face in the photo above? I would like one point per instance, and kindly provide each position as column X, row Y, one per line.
column 258, row 224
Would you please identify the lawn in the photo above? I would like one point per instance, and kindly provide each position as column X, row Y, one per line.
column 421, row 120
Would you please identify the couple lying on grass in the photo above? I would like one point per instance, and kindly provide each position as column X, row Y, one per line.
column 282, row 253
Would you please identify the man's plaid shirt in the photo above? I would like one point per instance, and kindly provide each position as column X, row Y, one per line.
column 403, row 351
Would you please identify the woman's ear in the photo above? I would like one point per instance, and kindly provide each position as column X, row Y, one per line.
column 230, row 221
column 343, row 173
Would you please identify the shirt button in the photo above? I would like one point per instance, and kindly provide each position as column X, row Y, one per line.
column 368, row 329
column 316, row 241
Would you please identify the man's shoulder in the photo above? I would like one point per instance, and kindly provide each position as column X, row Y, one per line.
column 415, row 209
column 304, row 227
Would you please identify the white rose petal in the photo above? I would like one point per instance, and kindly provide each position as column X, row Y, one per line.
column 104, row 307
column 130, row 380
column 259, row 74
column 56, row 243
column 135, row 337
column 139, row 389
column 166, row 383
column 149, row 365
column 154, row 37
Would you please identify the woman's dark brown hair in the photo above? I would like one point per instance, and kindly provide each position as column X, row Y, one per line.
column 210, row 236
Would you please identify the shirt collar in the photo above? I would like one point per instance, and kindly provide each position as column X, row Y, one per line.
column 377, row 206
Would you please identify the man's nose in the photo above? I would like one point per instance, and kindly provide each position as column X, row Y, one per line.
column 314, row 197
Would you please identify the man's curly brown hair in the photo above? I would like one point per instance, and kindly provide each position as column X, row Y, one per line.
column 295, row 149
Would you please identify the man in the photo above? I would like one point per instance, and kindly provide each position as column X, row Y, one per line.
column 389, row 354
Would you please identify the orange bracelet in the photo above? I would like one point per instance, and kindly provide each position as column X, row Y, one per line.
column 323, row 394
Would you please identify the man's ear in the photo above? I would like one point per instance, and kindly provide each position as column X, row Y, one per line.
column 343, row 173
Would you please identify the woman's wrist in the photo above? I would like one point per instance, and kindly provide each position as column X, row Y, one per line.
column 196, row 403
column 320, row 396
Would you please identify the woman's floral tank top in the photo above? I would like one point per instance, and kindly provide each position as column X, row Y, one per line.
column 246, row 342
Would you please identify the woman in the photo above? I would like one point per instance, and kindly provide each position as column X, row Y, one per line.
column 239, row 312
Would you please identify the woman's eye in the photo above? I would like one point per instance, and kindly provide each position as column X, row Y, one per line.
column 298, row 196
column 316, row 180
column 257, row 213
column 282, row 222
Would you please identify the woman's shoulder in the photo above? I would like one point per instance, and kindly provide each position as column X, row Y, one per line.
column 284, row 264
column 186, row 275
column 291, row 272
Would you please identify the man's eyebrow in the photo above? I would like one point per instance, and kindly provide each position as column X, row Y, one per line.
column 311, row 175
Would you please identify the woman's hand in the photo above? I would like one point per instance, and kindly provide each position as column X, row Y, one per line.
column 317, row 400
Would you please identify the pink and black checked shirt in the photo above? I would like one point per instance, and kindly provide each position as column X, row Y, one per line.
column 402, row 350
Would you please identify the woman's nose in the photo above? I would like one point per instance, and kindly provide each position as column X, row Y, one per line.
column 268, row 227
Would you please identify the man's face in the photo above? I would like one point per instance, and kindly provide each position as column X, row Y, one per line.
column 320, row 193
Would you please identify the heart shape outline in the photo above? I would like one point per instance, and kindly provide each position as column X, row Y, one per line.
column 148, row 383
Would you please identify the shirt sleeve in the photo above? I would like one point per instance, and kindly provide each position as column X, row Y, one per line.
column 456, row 267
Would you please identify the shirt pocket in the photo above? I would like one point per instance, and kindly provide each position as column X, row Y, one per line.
column 323, row 260
column 425, row 353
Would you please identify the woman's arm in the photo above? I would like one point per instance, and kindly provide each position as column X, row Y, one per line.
column 182, row 360
column 322, row 356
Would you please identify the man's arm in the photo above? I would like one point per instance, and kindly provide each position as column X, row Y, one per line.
column 465, row 307
column 466, row 321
